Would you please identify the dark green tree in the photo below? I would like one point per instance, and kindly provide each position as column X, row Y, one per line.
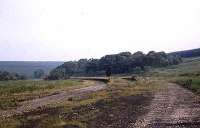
column 124, row 62
column 38, row 73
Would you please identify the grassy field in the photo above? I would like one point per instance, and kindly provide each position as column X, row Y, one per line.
column 12, row 92
column 115, row 105
column 119, row 97
column 189, row 66
column 187, row 71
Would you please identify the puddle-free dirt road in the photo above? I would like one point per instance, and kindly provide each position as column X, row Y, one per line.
column 172, row 107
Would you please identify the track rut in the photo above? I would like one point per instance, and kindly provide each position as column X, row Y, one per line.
column 172, row 107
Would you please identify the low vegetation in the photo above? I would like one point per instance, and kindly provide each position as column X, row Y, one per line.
column 192, row 83
column 120, row 99
column 186, row 74
column 119, row 104
column 12, row 92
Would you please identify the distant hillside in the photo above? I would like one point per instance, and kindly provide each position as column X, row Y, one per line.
column 124, row 62
column 188, row 53
column 27, row 67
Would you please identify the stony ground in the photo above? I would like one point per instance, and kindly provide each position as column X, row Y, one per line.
column 172, row 107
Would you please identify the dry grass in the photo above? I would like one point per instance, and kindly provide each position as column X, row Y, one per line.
column 80, row 112
column 13, row 92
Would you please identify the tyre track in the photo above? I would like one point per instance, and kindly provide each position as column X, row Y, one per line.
column 172, row 107
column 28, row 106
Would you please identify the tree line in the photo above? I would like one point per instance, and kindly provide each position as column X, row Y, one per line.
column 4, row 76
column 124, row 62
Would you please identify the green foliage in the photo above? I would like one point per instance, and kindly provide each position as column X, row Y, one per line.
column 84, row 111
column 192, row 83
column 7, row 103
column 10, row 76
column 12, row 92
column 190, row 67
column 11, row 87
column 124, row 62
column 38, row 73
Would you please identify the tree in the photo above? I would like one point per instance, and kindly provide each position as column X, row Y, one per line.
column 4, row 76
column 38, row 73
column 124, row 62
column 92, row 66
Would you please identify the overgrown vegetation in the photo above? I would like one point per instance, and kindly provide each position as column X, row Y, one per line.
column 188, row 66
column 4, row 75
column 39, row 73
column 124, row 62
column 192, row 83
column 186, row 74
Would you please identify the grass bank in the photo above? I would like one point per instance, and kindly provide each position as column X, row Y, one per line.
column 186, row 74
column 192, row 83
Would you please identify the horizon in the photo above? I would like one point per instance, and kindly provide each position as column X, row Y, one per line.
column 48, row 30
column 88, row 58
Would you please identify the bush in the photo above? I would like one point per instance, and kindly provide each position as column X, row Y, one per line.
column 4, row 76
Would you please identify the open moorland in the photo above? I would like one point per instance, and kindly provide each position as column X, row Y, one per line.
column 162, row 97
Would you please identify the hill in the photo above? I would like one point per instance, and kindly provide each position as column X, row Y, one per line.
column 121, row 63
column 188, row 53
column 28, row 67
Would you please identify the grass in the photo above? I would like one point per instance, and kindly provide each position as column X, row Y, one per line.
column 12, row 92
column 181, row 74
column 120, row 99
column 194, row 85
column 189, row 66
column 120, row 96
column 11, row 87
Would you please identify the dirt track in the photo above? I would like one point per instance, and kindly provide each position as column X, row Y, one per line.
column 172, row 107
column 28, row 106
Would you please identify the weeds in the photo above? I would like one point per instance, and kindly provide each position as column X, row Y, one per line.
column 12, row 92
column 92, row 110
column 192, row 83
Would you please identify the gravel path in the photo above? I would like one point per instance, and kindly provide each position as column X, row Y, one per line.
column 172, row 107
column 28, row 106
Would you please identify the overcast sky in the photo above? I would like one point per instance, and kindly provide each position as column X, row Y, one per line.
column 74, row 29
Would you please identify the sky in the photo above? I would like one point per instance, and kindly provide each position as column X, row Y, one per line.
column 63, row 30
